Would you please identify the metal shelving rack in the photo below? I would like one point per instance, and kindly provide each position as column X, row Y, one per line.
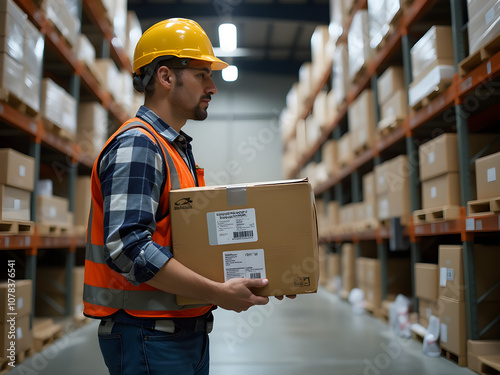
column 37, row 138
column 452, row 99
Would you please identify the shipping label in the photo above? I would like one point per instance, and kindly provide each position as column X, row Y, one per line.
column 232, row 227
column 244, row 264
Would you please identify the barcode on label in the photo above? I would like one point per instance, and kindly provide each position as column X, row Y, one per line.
column 255, row 275
column 243, row 234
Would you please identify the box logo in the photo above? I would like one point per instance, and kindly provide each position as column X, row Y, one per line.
column 183, row 204
column 302, row 281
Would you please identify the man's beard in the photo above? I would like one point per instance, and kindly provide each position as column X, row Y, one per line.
column 199, row 114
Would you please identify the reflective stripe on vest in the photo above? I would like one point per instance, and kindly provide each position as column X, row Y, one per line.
column 106, row 291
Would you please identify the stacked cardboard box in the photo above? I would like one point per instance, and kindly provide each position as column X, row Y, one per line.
column 92, row 131
column 392, row 97
column 338, row 19
column 333, row 282
column 382, row 14
column 340, row 69
column 432, row 63
column 61, row 17
column 321, row 52
column 345, row 153
column 453, row 330
column 484, row 23
column 393, row 188
column 17, row 181
column 15, row 312
column 21, row 53
column 488, row 176
column 358, row 43
column 52, row 212
column 370, row 198
column 361, row 117
column 329, row 157
column 427, row 291
column 369, row 280
column 134, row 33
column 58, row 108
column 348, row 269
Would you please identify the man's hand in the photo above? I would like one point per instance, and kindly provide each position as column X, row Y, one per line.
column 235, row 294
column 291, row 296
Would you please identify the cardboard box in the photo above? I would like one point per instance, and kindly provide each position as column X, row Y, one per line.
column 361, row 116
column 332, row 213
column 440, row 155
column 18, row 169
column 252, row 224
column 451, row 272
column 453, row 332
column 92, row 130
column 12, row 20
column 476, row 348
column 358, row 42
column 18, row 302
column 484, row 25
column 437, row 43
column 34, row 44
column 15, row 204
column 392, row 175
column 396, row 106
column 23, row 335
column 52, row 209
column 372, row 286
column 10, row 71
column 345, row 153
column 441, row 191
column 427, row 281
column 348, row 267
column 329, row 156
column 369, row 191
column 340, row 78
column 394, row 204
column 389, row 82
column 360, row 267
column 488, row 176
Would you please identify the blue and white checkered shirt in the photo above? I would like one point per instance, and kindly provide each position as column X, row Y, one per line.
column 132, row 173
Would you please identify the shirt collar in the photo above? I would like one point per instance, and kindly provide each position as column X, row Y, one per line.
column 161, row 126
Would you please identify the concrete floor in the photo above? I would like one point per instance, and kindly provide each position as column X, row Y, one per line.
column 313, row 335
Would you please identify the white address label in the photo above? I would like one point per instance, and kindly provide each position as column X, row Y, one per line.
column 230, row 227
column 244, row 264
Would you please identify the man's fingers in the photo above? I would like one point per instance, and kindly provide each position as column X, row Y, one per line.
column 259, row 300
column 257, row 283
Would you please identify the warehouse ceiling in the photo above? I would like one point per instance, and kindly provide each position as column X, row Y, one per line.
column 273, row 35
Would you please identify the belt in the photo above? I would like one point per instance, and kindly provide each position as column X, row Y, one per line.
column 199, row 324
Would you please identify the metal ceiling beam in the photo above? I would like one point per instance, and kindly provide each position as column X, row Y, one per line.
column 224, row 9
column 278, row 67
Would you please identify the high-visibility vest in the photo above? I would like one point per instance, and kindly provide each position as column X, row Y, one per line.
column 107, row 291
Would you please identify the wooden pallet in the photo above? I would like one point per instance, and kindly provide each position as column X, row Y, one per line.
column 472, row 61
column 438, row 89
column 56, row 130
column 433, row 215
column 481, row 207
column 366, row 225
column 54, row 229
column 460, row 360
column 45, row 333
column 17, row 227
column 418, row 333
column 344, row 294
column 490, row 364
column 389, row 124
column 10, row 98
column 23, row 354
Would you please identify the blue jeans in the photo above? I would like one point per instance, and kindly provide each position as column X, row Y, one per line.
column 133, row 350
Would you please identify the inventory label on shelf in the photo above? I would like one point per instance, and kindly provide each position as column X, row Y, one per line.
column 231, row 227
column 244, row 264
column 470, row 224
column 444, row 333
column 479, row 225
column 492, row 174
column 443, row 276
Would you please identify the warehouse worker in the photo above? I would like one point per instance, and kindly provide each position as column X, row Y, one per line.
column 131, row 278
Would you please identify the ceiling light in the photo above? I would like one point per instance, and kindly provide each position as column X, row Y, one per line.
column 230, row 74
column 227, row 37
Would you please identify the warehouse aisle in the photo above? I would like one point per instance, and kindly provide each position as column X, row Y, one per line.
column 313, row 335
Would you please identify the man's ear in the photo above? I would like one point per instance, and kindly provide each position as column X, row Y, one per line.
column 165, row 76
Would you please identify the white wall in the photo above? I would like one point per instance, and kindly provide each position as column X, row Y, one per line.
column 240, row 141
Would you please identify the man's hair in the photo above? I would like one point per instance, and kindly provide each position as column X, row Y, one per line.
column 174, row 63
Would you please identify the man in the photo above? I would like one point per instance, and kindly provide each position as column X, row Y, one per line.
column 131, row 278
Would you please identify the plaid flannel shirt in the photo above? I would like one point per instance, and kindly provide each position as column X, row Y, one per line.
column 132, row 173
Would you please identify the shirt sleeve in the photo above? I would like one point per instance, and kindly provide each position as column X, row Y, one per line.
column 132, row 173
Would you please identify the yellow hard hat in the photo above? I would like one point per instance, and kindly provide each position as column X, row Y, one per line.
column 178, row 37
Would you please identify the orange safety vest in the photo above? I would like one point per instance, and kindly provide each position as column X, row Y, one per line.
column 107, row 291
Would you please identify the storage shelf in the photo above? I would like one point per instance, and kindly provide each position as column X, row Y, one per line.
column 20, row 242
column 439, row 228
column 481, row 224
column 59, row 45
column 379, row 235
